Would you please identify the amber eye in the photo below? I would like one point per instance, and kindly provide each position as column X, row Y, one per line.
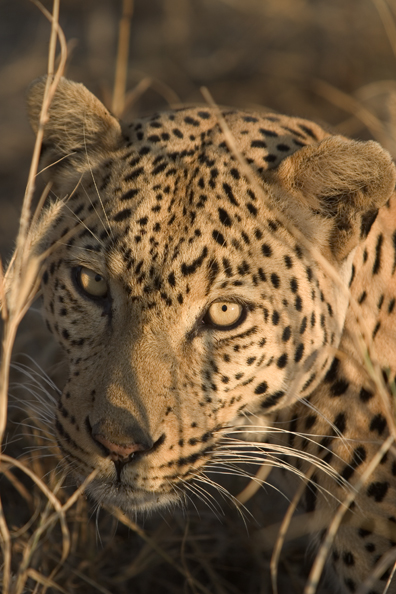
column 224, row 313
column 91, row 282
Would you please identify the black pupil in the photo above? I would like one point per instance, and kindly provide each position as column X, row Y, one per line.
column 223, row 308
column 98, row 278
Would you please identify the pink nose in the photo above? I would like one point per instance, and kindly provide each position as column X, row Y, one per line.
column 117, row 452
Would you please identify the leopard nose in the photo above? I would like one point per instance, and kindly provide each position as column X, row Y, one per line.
column 119, row 452
column 120, row 445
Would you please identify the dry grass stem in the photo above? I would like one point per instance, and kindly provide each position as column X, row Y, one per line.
column 324, row 549
column 284, row 528
column 25, row 266
column 255, row 483
column 388, row 22
column 122, row 58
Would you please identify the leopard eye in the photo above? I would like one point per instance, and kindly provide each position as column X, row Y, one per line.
column 91, row 282
column 224, row 313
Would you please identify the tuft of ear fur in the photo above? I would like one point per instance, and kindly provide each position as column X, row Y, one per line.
column 342, row 181
column 78, row 123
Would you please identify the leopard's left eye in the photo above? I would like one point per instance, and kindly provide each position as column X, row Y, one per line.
column 92, row 283
column 224, row 314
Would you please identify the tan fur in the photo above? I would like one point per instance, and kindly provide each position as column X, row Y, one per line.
column 172, row 225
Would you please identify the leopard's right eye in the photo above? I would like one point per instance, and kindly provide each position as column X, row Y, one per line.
column 91, row 283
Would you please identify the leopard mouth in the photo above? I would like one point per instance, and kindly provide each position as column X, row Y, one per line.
column 128, row 498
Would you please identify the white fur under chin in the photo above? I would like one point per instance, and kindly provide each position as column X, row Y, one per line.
column 128, row 499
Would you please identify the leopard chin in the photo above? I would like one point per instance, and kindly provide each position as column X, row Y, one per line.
column 128, row 499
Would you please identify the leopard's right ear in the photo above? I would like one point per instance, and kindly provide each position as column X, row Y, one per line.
column 79, row 131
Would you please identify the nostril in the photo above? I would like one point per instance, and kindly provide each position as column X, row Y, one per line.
column 118, row 452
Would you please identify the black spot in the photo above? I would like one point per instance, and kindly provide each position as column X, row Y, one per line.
column 178, row 133
column 219, row 238
column 171, row 279
column 288, row 262
column 368, row 219
column 350, row 584
column 270, row 158
column 191, row 121
column 213, row 271
column 294, row 285
column 348, row 558
column 376, row 328
column 394, row 250
column 261, row 388
column 391, row 305
column 275, row 280
column 310, row 422
column 331, row 375
column 205, row 115
column 378, row 490
column 130, row 194
column 272, row 400
column 266, row 249
column 299, row 252
column 134, row 174
column 224, row 217
column 227, row 267
column 299, row 353
column 283, row 147
column 258, row 144
column 286, row 334
column 362, row 297
column 159, row 169
column 365, row 395
column 378, row 248
column 298, row 303
column 230, row 195
column 340, row 422
column 122, row 215
column 339, row 387
column 303, row 326
column 282, row 361
column 252, row 209
column 378, row 423
column 268, row 133
column 188, row 269
column 362, row 532
column 275, row 318
column 308, row 131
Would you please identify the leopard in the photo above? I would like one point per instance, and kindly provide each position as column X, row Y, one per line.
column 209, row 271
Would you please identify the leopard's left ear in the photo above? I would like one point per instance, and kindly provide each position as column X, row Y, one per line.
column 79, row 131
column 337, row 185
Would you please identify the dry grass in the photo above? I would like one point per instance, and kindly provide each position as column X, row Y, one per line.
column 51, row 538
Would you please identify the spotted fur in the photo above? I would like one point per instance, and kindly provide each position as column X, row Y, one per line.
column 169, row 220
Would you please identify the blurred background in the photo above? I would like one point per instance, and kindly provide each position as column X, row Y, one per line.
column 249, row 53
column 333, row 61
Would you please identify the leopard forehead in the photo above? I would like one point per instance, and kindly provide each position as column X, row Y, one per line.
column 174, row 186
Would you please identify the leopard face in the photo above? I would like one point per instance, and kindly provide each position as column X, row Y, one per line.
column 187, row 283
